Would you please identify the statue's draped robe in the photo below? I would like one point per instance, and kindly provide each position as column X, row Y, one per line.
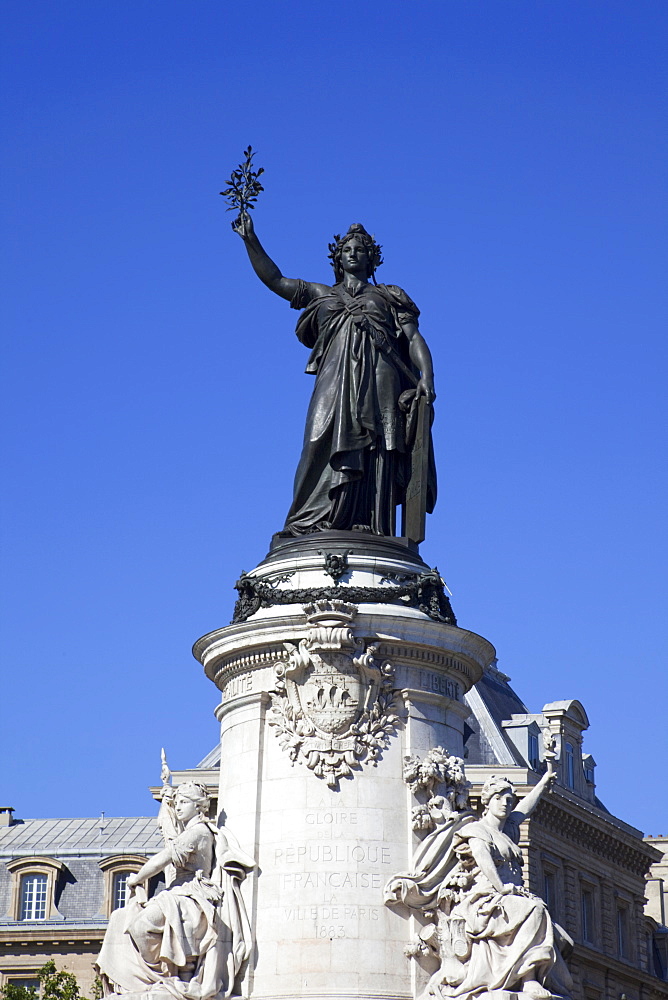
column 433, row 862
column 510, row 936
column 355, row 462
column 192, row 938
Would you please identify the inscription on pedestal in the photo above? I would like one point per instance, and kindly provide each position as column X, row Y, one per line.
column 324, row 876
column 330, row 921
column 430, row 681
column 330, row 880
column 331, row 818
column 324, row 853
column 237, row 686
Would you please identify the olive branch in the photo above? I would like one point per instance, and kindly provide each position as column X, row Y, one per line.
column 243, row 186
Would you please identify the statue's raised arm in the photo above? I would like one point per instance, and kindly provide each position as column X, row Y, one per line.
column 265, row 268
column 526, row 806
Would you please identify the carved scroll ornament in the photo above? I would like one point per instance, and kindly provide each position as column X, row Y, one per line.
column 333, row 703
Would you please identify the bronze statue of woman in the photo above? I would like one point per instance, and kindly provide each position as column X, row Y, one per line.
column 372, row 367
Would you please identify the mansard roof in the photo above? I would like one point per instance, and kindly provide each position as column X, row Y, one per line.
column 62, row 837
column 492, row 701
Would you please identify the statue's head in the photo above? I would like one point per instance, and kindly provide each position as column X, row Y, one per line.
column 358, row 233
column 495, row 787
column 191, row 793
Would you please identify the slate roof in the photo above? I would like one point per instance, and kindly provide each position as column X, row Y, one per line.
column 212, row 759
column 63, row 837
column 492, row 701
column 499, row 697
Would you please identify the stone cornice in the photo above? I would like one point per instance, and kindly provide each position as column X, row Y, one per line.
column 248, row 661
column 426, row 656
column 592, row 960
column 401, row 638
column 18, row 932
column 592, row 832
column 79, row 852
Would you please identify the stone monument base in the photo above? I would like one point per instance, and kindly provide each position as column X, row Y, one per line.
column 343, row 660
column 509, row 995
column 158, row 993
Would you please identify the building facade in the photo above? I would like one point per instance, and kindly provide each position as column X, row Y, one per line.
column 589, row 866
column 59, row 881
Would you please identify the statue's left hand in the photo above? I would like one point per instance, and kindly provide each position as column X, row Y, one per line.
column 425, row 387
column 132, row 881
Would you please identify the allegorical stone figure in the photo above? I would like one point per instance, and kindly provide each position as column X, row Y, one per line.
column 192, row 939
column 371, row 367
column 487, row 931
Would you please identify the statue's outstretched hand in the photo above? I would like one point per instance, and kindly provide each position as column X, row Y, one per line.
column 132, row 881
column 243, row 225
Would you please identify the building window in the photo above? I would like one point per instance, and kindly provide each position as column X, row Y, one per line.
column 34, row 887
column 589, row 775
column 570, row 766
column 33, row 897
column 656, row 965
column 550, row 891
column 117, row 870
column 534, row 756
column 31, row 983
column 120, row 889
column 588, row 915
column 622, row 932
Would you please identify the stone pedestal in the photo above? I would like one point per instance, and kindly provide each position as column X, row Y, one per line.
column 508, row 995
column 338, row 670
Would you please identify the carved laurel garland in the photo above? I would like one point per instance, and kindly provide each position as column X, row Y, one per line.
column 437, row 771
column 423, row 591
column 333, row 705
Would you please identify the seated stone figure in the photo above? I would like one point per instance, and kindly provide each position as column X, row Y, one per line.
column 190, row 940
column 487, row 930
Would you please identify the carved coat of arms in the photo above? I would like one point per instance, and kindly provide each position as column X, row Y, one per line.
column 332, row 706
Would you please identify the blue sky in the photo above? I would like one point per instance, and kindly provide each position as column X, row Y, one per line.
column 511, row 158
